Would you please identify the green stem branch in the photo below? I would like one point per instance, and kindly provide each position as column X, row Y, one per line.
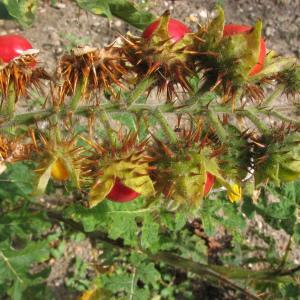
column 139, row 90
column 220, row 130
column 11, row 101
column 79, row 92
column 108, row 129
column 248, row 113
column 276, row 93
column 85, row 110
column 169, row 132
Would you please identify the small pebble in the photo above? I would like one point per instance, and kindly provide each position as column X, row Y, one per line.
column 118, row 23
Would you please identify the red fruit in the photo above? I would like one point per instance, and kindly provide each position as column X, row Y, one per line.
column 11, row 46
column 121, row 193
column 210, row 180
column 231, row 29
column 176, row 30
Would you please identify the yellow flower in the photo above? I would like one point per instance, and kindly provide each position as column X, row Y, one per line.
column 235, row 193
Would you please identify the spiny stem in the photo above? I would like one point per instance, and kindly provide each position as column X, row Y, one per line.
column 255, row 120
column 79, row 92
column 55, row 130
column 168, row 131
column 283, row 118
column 277, row 92
column 11, row 101
column 221, row 132
column 139, row 90
column 103, row 117
column 32, row 117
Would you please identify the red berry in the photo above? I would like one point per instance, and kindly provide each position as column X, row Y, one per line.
column 11, row 46
column 210, row 180
column 121, row 193
column 231, row 29
column 176, row 30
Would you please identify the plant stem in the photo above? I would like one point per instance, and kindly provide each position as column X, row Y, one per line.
column 139, row 90
column 11, row 101
column 255, row 120
column 84, row 110
column 277, row 92
column 108, row 130
column 169, row 132
column 283, row 118
column 285, row 256
column 79, row 91
column 221, row 132
column 219, row 273
column 199, row 269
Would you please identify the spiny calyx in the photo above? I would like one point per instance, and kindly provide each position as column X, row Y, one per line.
column 278, row 159
column 158, row 53
column 123, row 167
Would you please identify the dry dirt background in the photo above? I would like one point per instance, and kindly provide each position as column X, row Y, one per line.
column 59, row 27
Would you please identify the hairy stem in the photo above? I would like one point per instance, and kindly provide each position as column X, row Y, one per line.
column 11, row 101
column 108, row 129
column 79, row 93
column 139, row 90
column 248, row 113
column 276, row 93
column 86, row 110
column 221, row 132
column 168, row 131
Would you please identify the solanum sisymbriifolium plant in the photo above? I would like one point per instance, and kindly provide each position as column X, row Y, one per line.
column 151, row 183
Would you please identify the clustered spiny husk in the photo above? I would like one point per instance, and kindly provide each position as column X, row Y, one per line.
column 182, row 168
column 61, row 160
column 277, row 156
column 21, row 74
column 95, row 69
column 127, row 161
column 169, row 63
column 176, row 170
column 229, row 60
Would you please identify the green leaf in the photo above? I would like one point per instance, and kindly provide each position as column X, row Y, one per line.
column 123, row 9
column 15, row 265
column 91, row 218
column 174, row 223
column 22, row 10
column 150, row 233
column 22, row 223
column 16, row 182
column 148, row 273
column 4, row 13
column 222, row 212
column 282, row 213
column 97, row 7
column 123, row 226
column 117, row 282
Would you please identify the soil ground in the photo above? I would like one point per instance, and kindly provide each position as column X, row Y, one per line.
column 57, row 28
